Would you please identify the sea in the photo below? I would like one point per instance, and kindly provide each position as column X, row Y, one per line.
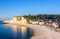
column 12, row 31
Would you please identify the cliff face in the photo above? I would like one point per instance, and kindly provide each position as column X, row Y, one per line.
column 23, row 21
column 17, row 20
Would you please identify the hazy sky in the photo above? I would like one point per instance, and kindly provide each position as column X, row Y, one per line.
column 9, row 8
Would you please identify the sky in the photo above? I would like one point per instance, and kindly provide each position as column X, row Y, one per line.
column 10, row 8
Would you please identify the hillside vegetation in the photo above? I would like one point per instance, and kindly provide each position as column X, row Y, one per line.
column 44, row 17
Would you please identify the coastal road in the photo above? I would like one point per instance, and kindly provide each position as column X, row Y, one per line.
column 42, row 32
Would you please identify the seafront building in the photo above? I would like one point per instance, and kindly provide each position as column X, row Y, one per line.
column 52, row 24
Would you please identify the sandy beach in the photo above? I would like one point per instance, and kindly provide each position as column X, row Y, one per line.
column 42, row 32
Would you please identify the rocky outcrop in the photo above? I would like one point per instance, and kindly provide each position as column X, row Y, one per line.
column 17, row 20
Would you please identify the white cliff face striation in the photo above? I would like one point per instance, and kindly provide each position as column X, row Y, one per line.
column 23, row 20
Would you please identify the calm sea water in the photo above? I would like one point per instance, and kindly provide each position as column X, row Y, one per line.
column 8, row 31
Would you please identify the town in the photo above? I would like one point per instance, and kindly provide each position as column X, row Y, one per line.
column 54, row 24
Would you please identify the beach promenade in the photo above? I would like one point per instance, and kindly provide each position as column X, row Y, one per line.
column 42, row 32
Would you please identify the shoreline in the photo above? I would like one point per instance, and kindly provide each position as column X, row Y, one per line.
column 41, row 31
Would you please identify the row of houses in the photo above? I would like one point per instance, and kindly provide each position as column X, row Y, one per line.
column 48, row 23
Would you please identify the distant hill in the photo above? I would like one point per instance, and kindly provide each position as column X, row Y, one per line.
column 44, row 17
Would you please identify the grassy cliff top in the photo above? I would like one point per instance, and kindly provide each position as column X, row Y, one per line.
column 44, row 17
